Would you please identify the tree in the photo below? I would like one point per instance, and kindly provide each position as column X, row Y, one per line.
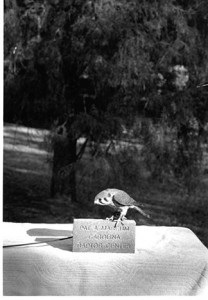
column 91, row 64
column 72, row 68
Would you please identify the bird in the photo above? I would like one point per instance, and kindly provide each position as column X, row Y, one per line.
column 119, row 201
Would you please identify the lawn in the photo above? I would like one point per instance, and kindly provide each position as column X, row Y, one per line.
column 26, row 188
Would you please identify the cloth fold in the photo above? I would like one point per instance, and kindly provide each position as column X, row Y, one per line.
column 167, row 261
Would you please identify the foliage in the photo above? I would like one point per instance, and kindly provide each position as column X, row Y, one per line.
column 101, row 63
column 27, row 185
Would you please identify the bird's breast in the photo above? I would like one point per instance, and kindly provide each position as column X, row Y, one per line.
column 117, row 208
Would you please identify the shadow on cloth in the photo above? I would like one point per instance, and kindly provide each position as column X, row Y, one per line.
column 61, row 239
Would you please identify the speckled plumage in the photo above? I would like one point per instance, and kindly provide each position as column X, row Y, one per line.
column 119, row 201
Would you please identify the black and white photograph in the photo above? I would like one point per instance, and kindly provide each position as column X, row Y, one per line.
column 105, row 148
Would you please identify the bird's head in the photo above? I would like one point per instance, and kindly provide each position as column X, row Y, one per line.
column 104, row 197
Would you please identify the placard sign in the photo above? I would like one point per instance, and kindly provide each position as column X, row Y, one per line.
column 96, row 235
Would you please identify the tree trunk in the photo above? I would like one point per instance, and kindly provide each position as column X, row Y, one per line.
column 63, row 182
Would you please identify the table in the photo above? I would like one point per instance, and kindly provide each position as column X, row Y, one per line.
column 167, row 261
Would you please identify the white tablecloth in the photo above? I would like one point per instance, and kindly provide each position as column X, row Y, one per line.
column 167, row 261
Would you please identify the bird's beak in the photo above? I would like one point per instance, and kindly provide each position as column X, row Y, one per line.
column 96, row 201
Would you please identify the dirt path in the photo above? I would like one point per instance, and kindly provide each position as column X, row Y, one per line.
column 27, row 173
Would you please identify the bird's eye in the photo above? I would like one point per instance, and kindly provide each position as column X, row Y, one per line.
column 109, row 195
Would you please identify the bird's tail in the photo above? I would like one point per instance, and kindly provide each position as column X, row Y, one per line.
column 141, row 211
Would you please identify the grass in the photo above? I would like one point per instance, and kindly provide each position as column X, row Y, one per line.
column 26, row 187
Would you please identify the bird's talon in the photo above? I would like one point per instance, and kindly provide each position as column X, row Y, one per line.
column 120, row 201
column 110, row 219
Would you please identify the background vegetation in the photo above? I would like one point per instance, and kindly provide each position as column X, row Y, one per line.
column 104, row 94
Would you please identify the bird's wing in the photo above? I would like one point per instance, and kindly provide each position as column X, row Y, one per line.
column 123, row 199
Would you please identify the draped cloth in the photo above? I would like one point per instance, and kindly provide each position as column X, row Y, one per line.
column 167, row 261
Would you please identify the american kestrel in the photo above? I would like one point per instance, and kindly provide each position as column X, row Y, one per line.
column 119, row 201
